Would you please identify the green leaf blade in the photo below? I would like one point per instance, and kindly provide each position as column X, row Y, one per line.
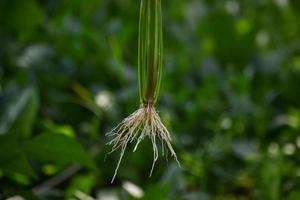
column 58, row 148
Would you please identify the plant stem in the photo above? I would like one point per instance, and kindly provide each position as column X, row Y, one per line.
column 150, row 50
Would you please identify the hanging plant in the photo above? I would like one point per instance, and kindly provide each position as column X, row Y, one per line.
column 145, row 122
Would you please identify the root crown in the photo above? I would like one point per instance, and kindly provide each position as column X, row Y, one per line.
column 145, row 122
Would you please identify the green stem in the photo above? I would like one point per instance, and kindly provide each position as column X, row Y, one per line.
column 150, row 50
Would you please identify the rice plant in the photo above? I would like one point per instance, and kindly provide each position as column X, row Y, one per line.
column 145, row 122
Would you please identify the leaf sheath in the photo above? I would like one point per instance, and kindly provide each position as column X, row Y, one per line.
column 150, row 50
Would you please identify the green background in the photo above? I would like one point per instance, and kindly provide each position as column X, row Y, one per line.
column 230, row 97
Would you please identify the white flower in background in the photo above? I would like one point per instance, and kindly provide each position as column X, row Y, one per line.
column 262, row 39
column 133, row 189
column 232, row 7
column 282, row 3
column 226, row 123
column 289, row 149
column 16, row 198
column 107, row 195
column 82, row 196
column 273, row 149
column 104, row 100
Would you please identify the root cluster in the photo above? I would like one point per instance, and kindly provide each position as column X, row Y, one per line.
column 145, row 122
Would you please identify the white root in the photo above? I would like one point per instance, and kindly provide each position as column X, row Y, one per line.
column 145, row 122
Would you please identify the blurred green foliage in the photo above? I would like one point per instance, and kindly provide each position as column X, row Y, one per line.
column 230, row 97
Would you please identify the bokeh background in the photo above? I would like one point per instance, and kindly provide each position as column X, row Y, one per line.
column 230, row 97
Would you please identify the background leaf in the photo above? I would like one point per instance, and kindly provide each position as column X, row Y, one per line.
column 19, row 110
column 19, row 165
column 58, row 148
